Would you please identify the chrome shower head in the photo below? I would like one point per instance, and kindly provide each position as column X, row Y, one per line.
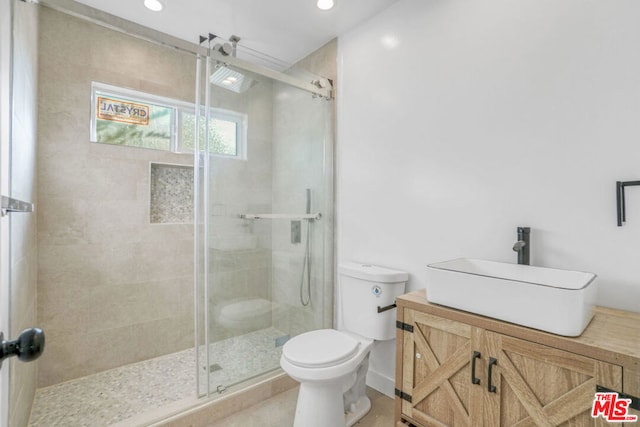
column 228, row 78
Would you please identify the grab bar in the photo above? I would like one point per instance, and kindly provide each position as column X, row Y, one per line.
column 14, row 205
column 313, row 216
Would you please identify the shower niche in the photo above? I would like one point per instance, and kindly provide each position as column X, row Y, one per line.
column 170, row 194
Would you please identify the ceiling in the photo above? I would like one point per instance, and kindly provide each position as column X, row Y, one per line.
column 285, row 29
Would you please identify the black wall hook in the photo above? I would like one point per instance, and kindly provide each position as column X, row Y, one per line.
column 620, row 185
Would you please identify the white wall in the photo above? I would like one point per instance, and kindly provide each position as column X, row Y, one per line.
column 459, row 121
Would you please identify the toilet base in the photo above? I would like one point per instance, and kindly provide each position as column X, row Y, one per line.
column 357, row 411
column 320, row 405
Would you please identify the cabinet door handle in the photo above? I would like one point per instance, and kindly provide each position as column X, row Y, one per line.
column 476, row 355
column 491, row 387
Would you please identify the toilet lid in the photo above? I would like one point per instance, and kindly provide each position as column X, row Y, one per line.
column 321, row 348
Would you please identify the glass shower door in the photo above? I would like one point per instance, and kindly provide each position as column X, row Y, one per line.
column 266, row 208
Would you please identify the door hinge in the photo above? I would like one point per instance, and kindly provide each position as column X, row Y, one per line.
column 404, row 396
column 635, row 401
column 404, row 326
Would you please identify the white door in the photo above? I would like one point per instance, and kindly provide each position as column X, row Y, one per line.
column 6, row 9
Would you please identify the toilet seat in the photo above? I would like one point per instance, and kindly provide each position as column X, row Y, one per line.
column 320, row 349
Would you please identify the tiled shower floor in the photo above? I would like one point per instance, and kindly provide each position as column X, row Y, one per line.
column 118, row 394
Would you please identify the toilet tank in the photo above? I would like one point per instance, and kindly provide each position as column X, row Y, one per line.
column 363, row 289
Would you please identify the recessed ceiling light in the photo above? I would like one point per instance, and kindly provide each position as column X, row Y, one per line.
column 325, row 4
column 154, row 5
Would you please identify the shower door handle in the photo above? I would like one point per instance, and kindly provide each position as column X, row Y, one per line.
column 28, row 347
column 14, row 205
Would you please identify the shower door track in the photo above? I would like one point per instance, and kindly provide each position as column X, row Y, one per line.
column 324, row 92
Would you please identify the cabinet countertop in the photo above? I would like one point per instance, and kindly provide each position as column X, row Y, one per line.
column 612, row 335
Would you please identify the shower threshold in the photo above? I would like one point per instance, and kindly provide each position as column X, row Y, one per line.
column 128, row 392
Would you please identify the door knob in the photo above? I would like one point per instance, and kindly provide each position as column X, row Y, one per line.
column 29, row 345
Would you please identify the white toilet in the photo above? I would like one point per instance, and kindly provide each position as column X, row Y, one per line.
column 331, row 365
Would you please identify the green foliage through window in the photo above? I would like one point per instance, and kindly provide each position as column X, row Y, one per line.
column 223, row 135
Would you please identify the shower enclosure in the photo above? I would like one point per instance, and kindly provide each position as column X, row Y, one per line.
column 264, row 208
column 110, row 258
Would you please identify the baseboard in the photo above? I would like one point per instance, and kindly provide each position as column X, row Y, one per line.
column 383, row 384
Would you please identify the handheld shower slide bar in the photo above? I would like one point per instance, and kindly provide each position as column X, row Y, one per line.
column 309, row 216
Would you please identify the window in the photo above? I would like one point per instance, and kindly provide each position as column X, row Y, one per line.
column 227, row 133
column 136, row 119
column 125, row 121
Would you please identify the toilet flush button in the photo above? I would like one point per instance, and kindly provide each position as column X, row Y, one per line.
column 377, row 290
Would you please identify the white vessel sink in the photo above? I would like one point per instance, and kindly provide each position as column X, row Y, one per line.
column 556, row 301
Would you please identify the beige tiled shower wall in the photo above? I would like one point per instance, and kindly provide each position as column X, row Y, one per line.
column 239, row 249
column 323, row 62
column 24, row 249
column 112, row 288
column 303, row 158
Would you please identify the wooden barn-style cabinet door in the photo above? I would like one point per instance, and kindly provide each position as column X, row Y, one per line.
column 535, row 385
column 437, row 387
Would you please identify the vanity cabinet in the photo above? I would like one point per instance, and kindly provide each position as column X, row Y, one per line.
column 458, row 369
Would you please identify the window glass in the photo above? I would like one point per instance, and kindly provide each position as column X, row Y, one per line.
column 225, row 135
column 187, row 132
column 224, row 138
column 134, row 123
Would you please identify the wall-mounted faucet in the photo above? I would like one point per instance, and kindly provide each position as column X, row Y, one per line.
column 522, row 245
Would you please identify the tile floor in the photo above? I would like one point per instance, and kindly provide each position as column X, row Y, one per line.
column 279, row 411
column 115, row 395
column 130, row 391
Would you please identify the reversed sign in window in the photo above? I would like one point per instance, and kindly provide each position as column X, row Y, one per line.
column 122, row 111
column 123, row 118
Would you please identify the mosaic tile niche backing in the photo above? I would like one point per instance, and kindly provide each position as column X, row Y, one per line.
column 171, row 194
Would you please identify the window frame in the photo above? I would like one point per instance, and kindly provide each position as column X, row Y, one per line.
column 178, row 108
